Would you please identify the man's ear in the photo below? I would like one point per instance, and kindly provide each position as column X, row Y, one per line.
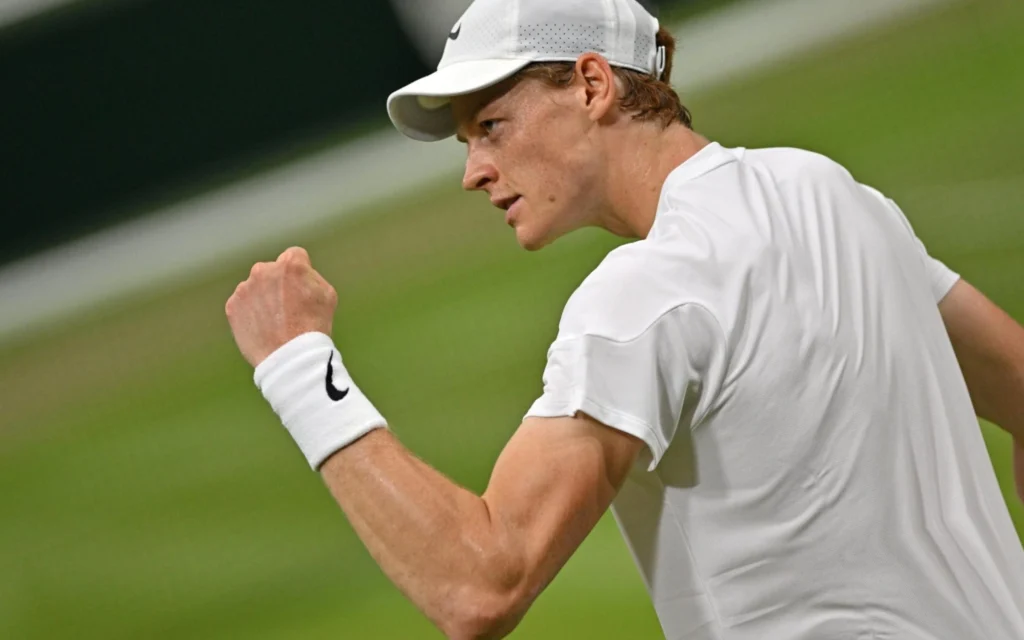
column 597, row 88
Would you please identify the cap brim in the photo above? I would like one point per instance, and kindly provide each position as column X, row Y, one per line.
column 422, row 110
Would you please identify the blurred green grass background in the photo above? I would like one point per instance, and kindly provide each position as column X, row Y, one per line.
column 146, row 491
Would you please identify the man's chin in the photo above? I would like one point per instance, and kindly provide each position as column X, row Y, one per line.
column 531, row 241
column 532, row 238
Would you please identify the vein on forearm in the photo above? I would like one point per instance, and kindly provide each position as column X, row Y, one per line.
column 429, row 535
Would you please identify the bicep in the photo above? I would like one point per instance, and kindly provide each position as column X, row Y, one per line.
column 980, row 331
column 551, row 485
column 989, row 346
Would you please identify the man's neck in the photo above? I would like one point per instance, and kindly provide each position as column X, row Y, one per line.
column 645, row 156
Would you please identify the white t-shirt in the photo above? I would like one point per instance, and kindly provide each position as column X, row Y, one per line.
column 814, row 469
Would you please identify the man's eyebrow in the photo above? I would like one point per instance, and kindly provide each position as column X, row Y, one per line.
column 480, row 111
column 472, row 119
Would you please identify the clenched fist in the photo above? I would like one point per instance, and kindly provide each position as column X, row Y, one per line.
column 279, row 301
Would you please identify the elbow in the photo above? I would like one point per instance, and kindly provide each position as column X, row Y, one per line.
column 491, row 596
column 482, row 614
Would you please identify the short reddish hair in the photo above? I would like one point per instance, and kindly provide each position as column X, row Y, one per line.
column 646, row 97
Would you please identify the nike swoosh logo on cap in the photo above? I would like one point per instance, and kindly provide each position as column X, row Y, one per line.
column 332, row 391
column 454, row 35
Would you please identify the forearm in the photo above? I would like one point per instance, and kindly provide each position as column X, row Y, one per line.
column 434, row 539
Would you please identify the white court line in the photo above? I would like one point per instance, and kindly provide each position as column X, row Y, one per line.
column 14, row 11
column 176, row 242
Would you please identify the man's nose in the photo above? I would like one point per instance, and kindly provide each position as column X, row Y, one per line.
column 479, row 173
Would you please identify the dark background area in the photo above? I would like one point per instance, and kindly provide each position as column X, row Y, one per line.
column 109, row 108
column 106, row 108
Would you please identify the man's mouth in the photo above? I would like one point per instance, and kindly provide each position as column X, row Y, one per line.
column 508, row 205
column 506, row 202
column 510, row 212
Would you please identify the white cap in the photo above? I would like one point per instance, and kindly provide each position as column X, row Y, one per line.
column 494, row 39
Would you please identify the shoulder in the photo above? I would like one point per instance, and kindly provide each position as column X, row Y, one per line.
column 790, row 161
column 808, row 171
column 593, row 308
column 790, row 170
column 633, row 287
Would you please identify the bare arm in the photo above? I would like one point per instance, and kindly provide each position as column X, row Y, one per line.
column 989, row 346
column 474, row 564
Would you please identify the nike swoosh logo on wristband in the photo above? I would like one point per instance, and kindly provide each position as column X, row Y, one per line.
column 332, row 391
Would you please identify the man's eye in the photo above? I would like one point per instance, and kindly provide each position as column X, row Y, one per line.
column 488, row 125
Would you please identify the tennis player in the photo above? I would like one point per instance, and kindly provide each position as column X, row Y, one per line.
column 774, row 388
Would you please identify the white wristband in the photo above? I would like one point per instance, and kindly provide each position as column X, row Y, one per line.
column 310, row 390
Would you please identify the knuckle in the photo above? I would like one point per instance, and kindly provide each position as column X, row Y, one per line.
column 264, row 271
column 330, row 296
column 294, row 254
column 236, row 297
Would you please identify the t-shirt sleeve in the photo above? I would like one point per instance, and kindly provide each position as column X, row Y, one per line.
column 940, row 277
column 647, row 385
